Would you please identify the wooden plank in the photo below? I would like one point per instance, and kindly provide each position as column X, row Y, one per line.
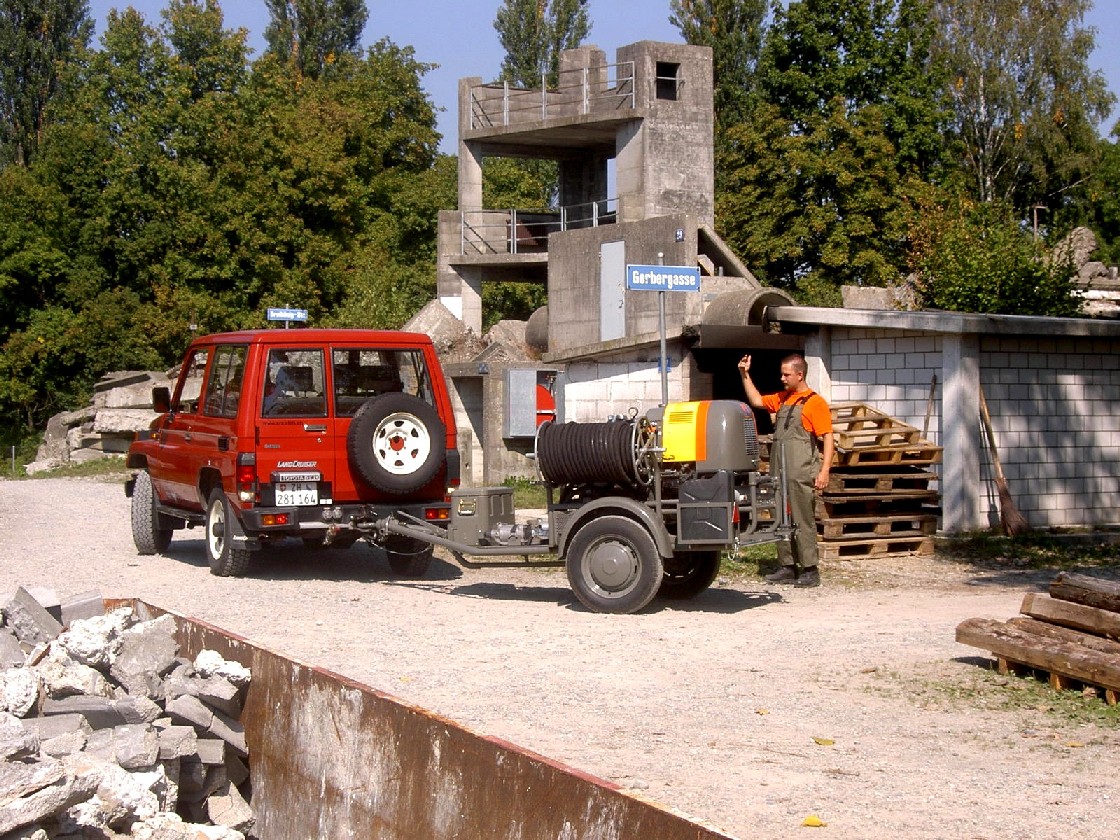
column 1065, row 634
column 920, row 502
column 1056, row 657
column 1087, row 619
column 1082, row 589
column 896, row 454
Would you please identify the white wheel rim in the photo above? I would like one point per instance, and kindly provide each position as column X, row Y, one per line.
column 401, row 443
column 216, row 529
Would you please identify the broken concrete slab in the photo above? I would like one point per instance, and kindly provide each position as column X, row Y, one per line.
column 82, row 606
column 94, row 641
column 146, row 654
column 19, row 691
column 99, row 712
column 227, row 807
column 11, row 654
column 195, row 712
column 46, row 802
column 62, row 676
column 216, row 692
column 29, row 620
column 16, row 740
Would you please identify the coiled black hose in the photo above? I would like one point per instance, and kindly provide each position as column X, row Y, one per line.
column 587, row 453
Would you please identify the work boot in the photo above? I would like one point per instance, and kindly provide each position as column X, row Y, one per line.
column 808, row 577
column 786, row 574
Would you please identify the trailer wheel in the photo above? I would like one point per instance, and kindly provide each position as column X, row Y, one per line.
column 613, row 565
column 147, row 534
column 688, row 573
column 408, row 558
column 225, row 560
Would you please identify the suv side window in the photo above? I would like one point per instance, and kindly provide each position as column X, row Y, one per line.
column 223, row 389
column 363, row 373
column 191, row 388
column 294, row 384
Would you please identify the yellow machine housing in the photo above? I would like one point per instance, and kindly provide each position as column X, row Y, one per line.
column 714, row 434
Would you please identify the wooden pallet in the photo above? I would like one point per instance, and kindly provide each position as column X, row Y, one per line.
column 865, row 504
column 857, row 425
column 846, row 550
column 1062, row 635
column 876, row 482
column 859, row 527
column 906, row 454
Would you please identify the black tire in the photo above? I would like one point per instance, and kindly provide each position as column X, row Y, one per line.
column 396, row 443
column 613, row 565
column 146, row 533
column 688, row 573
column 225, row 560
column 408, row 558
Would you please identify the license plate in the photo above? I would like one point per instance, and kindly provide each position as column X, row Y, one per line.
column 296, row 493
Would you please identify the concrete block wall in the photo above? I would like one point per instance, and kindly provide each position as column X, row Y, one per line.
column 890, row 370
column 596, row 389
column 1053, row 403
column 1054, row 410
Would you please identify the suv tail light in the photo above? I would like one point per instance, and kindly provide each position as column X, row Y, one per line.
column 247, row 477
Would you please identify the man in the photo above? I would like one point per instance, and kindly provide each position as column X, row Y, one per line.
column 803, row 416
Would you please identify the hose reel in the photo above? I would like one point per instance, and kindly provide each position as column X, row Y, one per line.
column 618, row 452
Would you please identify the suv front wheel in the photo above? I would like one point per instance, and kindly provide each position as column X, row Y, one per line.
column 395, row 443
column 225, row 560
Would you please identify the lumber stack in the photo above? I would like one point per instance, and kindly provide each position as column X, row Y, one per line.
column 878, row 501
column 1071, row 634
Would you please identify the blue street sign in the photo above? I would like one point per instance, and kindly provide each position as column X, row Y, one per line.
column 287, row 314
column 663, row 278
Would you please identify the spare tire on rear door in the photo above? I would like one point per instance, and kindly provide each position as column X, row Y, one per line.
column 396, row 443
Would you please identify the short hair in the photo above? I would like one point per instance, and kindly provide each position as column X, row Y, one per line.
column 798, row 362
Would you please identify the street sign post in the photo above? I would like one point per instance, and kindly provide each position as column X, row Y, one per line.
column 287, row 315
column 661, row 279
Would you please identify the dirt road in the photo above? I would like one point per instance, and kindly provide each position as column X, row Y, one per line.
column 751, row 707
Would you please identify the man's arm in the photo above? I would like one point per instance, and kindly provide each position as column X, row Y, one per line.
column 754, row 398
column 826, row 461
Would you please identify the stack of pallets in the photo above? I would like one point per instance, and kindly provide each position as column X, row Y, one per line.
column 878, row 500
column 1070, row 635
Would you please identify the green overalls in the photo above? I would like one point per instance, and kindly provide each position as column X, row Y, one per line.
column 796, row 452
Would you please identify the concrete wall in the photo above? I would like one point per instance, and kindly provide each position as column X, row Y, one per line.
column 597, row 388
column 1053, row 406
column 574, row 271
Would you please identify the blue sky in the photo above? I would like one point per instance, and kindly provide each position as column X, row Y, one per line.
column 459, row 36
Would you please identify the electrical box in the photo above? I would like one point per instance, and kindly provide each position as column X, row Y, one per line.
column 530, row 400
column 477, row 512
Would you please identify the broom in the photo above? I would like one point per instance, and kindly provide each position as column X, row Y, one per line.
column 1013, row 522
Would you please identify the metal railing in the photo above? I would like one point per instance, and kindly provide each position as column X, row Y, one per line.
column 582, row 90
column 513, row 231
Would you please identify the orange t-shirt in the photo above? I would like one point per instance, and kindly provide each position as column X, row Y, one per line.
column 815, row 414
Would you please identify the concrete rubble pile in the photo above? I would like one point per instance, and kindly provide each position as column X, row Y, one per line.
column 106, row 732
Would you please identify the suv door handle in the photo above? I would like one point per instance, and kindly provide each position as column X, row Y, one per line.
column 314, row 427
column 187, row 437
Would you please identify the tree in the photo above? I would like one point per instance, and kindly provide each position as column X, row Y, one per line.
column 1024, row 99
column 314, row 34
column 36, row 36
column 534, row 32
column 978, row 258
column 846, row 124
column 733, row 29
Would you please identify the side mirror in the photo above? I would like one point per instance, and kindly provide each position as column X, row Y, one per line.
column 161, row 399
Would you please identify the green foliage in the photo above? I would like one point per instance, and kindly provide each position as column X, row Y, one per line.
column 36, row 38
column 979, row 258
column 533, row 33
column 1095, row 203
column 733, row 29
column 1024, row 99
column 313, row 35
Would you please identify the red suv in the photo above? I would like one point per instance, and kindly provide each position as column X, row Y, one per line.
column 312, row 433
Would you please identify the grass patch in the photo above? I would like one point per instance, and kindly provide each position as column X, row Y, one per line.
column 750, row 561
column 1057, row 551
column 527, row 493
column 986, row 689
column 112, row 466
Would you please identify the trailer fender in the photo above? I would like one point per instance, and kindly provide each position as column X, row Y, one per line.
column 621, row 506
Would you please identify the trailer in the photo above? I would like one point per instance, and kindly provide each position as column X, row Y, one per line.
column 637, row 506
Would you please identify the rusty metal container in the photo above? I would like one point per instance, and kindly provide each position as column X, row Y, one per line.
column 331, row 757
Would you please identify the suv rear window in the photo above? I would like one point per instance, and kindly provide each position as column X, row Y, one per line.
column 295, row 384
column 363, row 373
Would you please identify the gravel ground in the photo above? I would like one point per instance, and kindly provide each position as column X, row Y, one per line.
column 750, row 707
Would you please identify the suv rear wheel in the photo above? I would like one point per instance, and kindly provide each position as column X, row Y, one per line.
column 395, row 443
column 225, row 560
